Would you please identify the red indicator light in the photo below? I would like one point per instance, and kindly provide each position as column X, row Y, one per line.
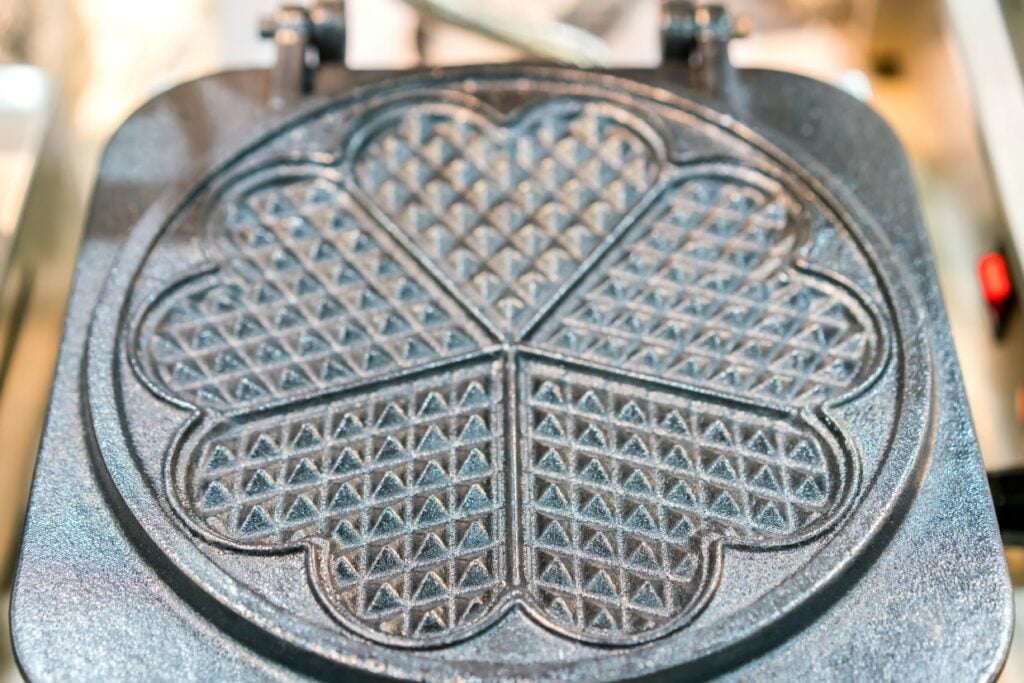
column 996, row 284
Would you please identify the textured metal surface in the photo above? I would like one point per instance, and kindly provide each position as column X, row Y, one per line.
column 527, row 372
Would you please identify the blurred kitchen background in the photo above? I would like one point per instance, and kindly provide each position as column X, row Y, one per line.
column 945, row 73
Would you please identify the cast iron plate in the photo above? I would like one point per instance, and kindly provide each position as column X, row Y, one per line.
column 511, row 372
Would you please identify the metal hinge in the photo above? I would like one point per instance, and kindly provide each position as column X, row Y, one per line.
column 698, row 35
column 306, row 37
column 692, row 33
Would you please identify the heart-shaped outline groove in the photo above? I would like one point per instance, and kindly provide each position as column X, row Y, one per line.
column 791, row 257
column 319, row 561
column 504, row 129
column 222, row 270
column 673, row 173
column 839, row 456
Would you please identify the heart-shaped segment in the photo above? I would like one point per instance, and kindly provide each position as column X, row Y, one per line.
column 508, row 212
column 398, row 492
column 706, row 294
column 629, row 491
column 309, row 295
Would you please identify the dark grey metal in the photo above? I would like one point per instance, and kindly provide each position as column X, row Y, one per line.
column 697, row 35
column 689, row 27
column 297, row 32
column 509, row 372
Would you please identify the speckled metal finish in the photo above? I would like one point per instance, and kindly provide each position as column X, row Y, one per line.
column 510, row 372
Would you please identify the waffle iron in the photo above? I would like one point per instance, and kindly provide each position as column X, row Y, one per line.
column 520, row 372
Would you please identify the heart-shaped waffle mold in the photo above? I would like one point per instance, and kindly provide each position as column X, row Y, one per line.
column 478, row 363
column 508, row 213
column 706, row 293
column 307, row 294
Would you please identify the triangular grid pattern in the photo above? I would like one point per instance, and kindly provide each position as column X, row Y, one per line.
column 625, row 487
column 508, row 212
column 405, row 486
column 395, row 477
column 311, row 298
column 704, row 295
